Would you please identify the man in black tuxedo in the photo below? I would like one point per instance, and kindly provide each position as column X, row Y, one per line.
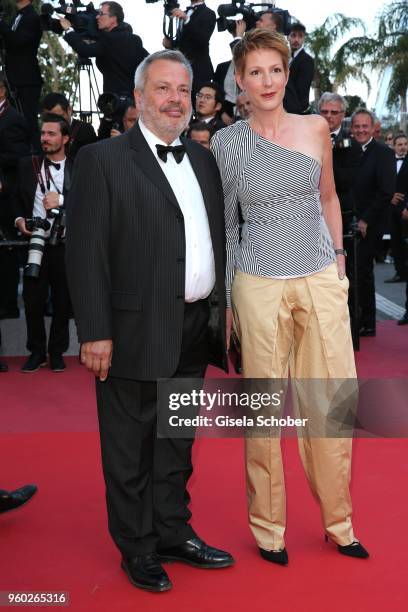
column 209, row 101
column 118, row 52
column 21, row 41
column 225, row 76
column 399, row 203
column 196, row 26
column 301, row 73
column 373, row 188
column 43, row 186
column 14, row 144
column 81, row 132
column 145, row 248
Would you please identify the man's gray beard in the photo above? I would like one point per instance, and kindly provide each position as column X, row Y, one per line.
column 163, row 130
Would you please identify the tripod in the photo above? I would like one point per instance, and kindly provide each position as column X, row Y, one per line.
column 12, row 94
column 85, row 66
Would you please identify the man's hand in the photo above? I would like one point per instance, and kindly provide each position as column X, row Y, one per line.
column 167, row 44
column 114, row 133
column 97, row 357
column 65, row 24
column 362, row 228
column 179, row 14
column 240, row 28
column 397, row 198
column 22, row 228
column 228, row 320
column 404, row 214
column 51, row 200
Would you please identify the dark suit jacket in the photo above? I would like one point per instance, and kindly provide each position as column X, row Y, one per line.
column 22, row 48
column 402, row 185
column 346, row 161
column 14, row 144
column 82, row 133
column 126, row 253
column 301, row 72
column 221, row 73
column 374, row 183
column 194, row 42
column 118, row 53
column 27, row 186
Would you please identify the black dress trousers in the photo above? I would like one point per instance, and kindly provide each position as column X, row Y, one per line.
column 146, row 477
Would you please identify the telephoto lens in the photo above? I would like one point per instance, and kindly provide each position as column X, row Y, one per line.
column 36, row 251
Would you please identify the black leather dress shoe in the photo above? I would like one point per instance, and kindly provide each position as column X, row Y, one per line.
column 404, row 320
column 57, row 364
column 3, row 367
column 367, row 332
column 395, row 279
column 10, row 500
column 34, row 363
column 275, row 556
column 145, row 572
column 197, row 553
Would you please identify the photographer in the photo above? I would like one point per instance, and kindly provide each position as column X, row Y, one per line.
column 399, row 205
column 117, row 51
column 301, row 73
column 14, row 144
column 129, row 119
column 43, row 185
column 81, row 132
column 21, row 39
column 268, row 20
column 225, row 75
column 208, row 106
column 196, row 26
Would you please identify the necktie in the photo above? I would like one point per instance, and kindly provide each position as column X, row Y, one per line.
column 178, row 152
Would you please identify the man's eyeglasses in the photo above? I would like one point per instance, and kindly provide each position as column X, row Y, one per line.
column 100, row 13
column 331, row 112
column 202, row 96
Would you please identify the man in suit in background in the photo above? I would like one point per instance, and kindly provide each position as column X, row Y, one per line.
column 14, row 144
column 145, row 248
column 21, row 41
column 43, row 186
column 81, row 132
column 399, row 203
column 373, row 188
column 301, row 73
column 208, row 106
column 196, row 26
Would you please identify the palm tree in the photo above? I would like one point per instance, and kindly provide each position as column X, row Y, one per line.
column 331, row 69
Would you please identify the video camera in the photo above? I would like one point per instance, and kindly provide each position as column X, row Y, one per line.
column 83, row 21
column 249, row 15
column 169, row 6
column 113, row 108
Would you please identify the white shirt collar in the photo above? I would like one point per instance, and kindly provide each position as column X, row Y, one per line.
column 296, row 53
column 153, row 140
column 336, row 132
column 364, row 146
column 3, row 103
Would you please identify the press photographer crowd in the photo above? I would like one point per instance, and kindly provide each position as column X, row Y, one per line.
column 40, row 138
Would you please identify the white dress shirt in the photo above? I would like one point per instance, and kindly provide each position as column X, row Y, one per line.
column 199, row 255
column 57, row 183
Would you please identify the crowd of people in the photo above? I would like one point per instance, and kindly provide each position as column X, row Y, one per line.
column 218, row 180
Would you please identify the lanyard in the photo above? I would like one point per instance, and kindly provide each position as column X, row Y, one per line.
column 44, row 185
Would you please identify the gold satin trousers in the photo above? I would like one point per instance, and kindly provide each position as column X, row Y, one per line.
column 299, row 325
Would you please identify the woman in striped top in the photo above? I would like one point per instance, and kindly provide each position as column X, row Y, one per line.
column 287, row 288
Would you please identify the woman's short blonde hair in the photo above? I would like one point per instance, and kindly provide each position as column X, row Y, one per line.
column 260, row 39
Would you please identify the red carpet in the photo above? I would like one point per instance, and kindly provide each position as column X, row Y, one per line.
column 59, row 541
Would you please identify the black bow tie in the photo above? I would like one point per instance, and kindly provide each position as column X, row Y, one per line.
column 399, row 158
column 51, row 163
column 178, row 152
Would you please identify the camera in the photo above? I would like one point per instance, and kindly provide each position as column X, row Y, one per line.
column 83, row 21
column 113, row 106
column 59, row 215
column 249, row 15
column 169, row 6
column 38, row 226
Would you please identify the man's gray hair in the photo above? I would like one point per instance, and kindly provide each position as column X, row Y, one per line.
column 169, row 55
column 364, row 111
column 328, row 96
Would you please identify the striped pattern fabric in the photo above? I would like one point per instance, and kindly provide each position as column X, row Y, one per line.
column 284, row 234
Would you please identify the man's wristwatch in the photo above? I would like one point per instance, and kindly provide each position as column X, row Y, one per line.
column 340, row 252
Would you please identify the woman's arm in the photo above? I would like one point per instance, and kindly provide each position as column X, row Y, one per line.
column 330, row 201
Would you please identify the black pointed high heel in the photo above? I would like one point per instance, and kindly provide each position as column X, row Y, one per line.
column 275, row 556
column 355, row 549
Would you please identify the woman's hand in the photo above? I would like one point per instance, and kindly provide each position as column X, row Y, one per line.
column 341, row 266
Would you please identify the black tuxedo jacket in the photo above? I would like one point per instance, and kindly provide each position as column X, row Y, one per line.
column 346, row 161
column 82, row 133
column 118, row 53
column 126, row 253
column 22, row 48
column 27, row 186
column 194, row 41
column 402, row 185
column 374, row 183
column 301, row 72
column 221, row 73
column 14, row 144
